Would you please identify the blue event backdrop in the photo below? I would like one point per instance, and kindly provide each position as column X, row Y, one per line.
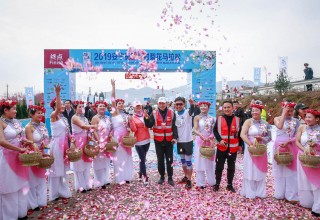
column 202, row 65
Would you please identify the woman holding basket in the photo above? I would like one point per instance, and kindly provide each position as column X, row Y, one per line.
column 286, row 184
column 58, row 179
column 14, row 176
column 308, row 141
column 37, row 132
column 123, row 162
column 81, row 130
column 255, row 132
column 101, row 164
column 203, row 128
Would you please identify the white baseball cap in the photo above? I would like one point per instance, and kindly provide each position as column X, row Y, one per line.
column 135, row 103
column 162, row 99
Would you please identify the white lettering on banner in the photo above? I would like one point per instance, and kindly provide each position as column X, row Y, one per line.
column 52, row 56
column 56, row 58
column 59, row 58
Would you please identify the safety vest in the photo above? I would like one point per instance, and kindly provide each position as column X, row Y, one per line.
column 162, row 128
column 232, row 137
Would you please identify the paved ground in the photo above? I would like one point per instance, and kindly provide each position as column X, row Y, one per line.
column 139, row 201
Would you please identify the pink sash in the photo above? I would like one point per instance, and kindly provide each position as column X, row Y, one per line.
column 38, row 172
column 261, row 162
column 313, row 174
column 293, row 149
column 119, row 135
column 12, row 158
column 200, row 143
column 81, row 142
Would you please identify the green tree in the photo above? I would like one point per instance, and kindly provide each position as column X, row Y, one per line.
column 282, row 84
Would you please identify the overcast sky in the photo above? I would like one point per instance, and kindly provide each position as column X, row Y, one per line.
column 245, row 34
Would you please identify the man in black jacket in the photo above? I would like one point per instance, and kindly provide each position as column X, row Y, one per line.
column 226, row 132
column 163, row 121
column 68, row 113
column 238, row 111
column 89, row 113
column 148, row 107
column 308, row 72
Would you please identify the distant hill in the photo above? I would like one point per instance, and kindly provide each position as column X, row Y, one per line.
column 236, row 83
column 147, row 92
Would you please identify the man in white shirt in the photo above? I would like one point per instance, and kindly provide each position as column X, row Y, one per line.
column 185, row 139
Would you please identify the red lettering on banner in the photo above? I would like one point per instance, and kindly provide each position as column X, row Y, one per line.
column 54, row 58
column 135, row 76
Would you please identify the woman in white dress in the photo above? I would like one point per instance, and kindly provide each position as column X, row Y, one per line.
column 255, row 167
column 309, row 178
column 286, row 183
column 58, row 179
column 101, row 164
column 37, row 132
column 123, row 163
column 203, row 128
column 80, row 128
column 14, row 176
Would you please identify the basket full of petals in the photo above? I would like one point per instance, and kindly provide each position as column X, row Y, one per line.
column 283, row 158
column 74, row 154
column 111, row 146
column 91, row 149
column 207, row 152
column 310, row 158
column 46, row 161
column 30, row 158
column 129, row 141
column 258, row 149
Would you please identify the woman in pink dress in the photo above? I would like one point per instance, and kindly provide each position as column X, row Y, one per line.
column 101, row 164
column 203, row 128
column 123, row 163
column 142, row 134
column 255, row 167
column 80, row 131
column 14, row 176
column 37, row 132
column 286, row 183
column 58, row 179
column 308, row 140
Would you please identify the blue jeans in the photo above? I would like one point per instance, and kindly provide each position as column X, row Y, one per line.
column 142, row 152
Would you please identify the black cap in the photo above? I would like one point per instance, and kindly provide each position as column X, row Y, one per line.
column 301, row 106
column 306, row 64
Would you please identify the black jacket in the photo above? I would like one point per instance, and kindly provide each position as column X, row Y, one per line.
column 69, row 116
column 308, row 72
column 151, row 121
column 149, row 109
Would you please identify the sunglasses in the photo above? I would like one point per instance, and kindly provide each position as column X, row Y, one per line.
column 179, row 104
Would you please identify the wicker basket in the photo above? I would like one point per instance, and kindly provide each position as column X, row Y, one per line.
column 91, row 150
column 206, row 152
column 129, row 141
column 309, row 160
column 258, row 150
column 74, row 154
column 111, row 147
column 31, row 159
column 46, row 161
column 284, row 158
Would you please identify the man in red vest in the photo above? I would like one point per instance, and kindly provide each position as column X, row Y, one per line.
column 226, row 132
column 165, row 134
